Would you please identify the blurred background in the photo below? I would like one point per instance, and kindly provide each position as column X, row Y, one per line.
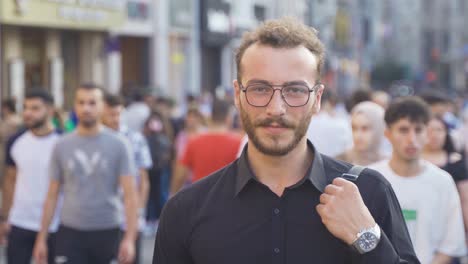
column 178, row 47
column 175, row 52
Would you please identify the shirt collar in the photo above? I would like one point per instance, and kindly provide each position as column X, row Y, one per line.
column 316, row 174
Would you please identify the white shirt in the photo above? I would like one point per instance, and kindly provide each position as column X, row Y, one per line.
column 331, row 135
column 135, row 115
column 432, row 211
column 31, row 155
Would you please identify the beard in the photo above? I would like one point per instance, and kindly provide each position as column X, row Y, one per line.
column 275, row 149
column 87, row 123
column 36, row 124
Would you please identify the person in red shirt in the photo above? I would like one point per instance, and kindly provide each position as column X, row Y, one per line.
column 209, row 151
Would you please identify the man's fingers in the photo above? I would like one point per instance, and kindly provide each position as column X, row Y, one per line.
column 332, row 189
column 325, row 198
column 320, row 209
column 338, row 181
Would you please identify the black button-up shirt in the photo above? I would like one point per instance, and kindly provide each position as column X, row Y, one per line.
column 230, row 217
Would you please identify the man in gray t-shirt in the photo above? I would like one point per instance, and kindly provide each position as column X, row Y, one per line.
column 89, row 169
column 90, row 166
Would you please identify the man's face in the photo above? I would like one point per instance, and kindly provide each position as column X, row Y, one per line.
column 276, row 129
column 88, row 106
column 439, row 109
column 111, row 116
column 36, row 113
column 436, row 134
column 407, row 138
column 363, row 134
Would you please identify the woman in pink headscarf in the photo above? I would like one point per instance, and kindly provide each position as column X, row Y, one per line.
column 368, row 125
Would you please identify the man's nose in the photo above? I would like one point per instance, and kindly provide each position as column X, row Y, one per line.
column 277, row 105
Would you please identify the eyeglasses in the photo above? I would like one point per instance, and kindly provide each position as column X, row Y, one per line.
column 260, row 94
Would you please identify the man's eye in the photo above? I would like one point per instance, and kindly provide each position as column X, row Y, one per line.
column 259, row 89
column 295, row 90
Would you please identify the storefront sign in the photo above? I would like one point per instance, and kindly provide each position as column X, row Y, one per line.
column 216, row 22
column 80, row 14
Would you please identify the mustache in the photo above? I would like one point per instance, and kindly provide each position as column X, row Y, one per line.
column 278, row 120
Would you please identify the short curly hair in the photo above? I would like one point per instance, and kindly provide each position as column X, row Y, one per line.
column 286, row 32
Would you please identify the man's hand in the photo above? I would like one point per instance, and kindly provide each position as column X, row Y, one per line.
column 40, row 251
column 4, row 230
column 127, row 251
column 343, row 211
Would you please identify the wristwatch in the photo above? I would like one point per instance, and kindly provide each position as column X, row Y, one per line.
column 367, row 239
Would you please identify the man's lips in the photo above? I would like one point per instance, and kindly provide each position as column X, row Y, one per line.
column 274, row 129
column 411, row 150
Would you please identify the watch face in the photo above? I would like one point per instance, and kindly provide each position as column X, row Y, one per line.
column 367, row 242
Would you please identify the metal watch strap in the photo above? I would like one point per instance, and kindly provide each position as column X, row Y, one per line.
column 375, row 230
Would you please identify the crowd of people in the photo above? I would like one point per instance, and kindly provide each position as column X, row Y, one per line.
column 86, row 186
column 64, row 186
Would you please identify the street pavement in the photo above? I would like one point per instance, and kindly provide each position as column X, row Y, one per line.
column 147, row 251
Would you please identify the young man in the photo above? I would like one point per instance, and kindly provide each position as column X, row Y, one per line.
column 208, row 152
column 90, row 166
column 25, row 186
column 141, row 155
column 282, row 201
column 427, row 194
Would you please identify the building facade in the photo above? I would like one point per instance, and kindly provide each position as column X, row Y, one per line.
column 55, row 44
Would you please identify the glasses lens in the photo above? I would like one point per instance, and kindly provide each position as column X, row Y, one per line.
column 296, row 95
column 259, row 94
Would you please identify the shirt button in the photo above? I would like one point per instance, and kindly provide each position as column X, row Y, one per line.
column 276, row 250
column 277, row 211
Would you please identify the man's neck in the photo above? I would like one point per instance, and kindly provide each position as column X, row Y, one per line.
column 281, row 172
column 88, row 131
column 44, row 130
column 218, row 128
column 430, row 151
column 406, row 168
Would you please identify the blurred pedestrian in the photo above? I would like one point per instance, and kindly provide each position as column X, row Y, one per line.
column 427, row 194
column 368, row 125
column 157, row 130
column 441, row 151
column 26, row 181
column 10, row 122
column 137, row 112
column 358, row 96
column 282, row 201
column 210, row 151
column 194, row 124
column 381, row 98
column 328, row 126
column 89, row 166
column 141, row 155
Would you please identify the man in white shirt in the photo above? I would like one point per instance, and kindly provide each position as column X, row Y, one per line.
column 113, row 106
column 135, row 115
column 27, row 179
column 427, row 194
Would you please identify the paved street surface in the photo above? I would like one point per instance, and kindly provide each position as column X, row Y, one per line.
column 148, row 246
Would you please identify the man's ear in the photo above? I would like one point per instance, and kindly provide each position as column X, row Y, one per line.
column 318, row 97
column 237, row 92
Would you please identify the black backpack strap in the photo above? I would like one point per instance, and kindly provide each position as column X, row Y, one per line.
column 353, row 173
